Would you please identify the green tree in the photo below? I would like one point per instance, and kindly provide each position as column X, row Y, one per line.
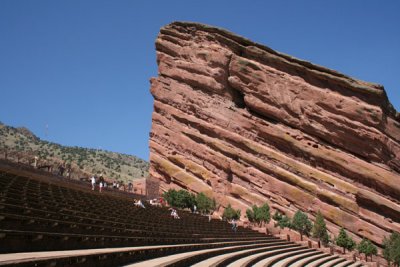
column 204, row 203
column 250, row 215
column 264, row 214
column 230, row 213
column 319, row 229
column 391, row 251
column 301, row 223
column 179, row 199
column 285, row 221
column 185, row 199
column 170, row 196
column 344, row 241
column 366, row 247
column 257, row 214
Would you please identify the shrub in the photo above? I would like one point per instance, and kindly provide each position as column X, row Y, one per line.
column 319, row 230
column 204, row 203
column 259, row 215
column 301, row 223
column 282, row 220
column 179, row 199
column 230, row 213
column 250, row 215
column 256, row 214
column 264, row 214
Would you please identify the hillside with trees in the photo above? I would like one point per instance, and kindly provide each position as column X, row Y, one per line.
column 22, row 146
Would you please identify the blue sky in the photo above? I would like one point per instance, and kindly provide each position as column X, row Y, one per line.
column 83, row 67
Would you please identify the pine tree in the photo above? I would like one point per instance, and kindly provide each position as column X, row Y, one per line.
column 285, row 222
column 265, row 215
column 250, row 215
column 371, row 250
column 362, row 247
column 391, row 251
column 301, row 223
column 341, row 240
column 351, row 244
column 344, row 241
column 319, row 230
column 257, row 214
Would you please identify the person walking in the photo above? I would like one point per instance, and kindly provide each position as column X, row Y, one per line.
column 234, row 225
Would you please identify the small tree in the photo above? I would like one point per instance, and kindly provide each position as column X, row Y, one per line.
column 285, row 222
column 169, row 195
column 366, row 247
column 179, row 199
column 230, row 213
column 264, row 213
column 344, row 241
column 391, row 251
column 184, row 199
column 371, row 250
column 257, row 214
column 250, row 215
column 204, row 203
column 319, row 229
column 351, row 244
column 301, row 223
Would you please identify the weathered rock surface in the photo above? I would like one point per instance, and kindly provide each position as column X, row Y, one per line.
column 246, row 124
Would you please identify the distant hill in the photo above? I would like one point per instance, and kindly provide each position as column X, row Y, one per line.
column 21, row 145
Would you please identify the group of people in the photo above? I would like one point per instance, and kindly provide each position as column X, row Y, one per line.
column 102, row 183
column 64, row 170
column 159, row 202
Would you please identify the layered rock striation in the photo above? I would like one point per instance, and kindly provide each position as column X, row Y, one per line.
column 247, row 125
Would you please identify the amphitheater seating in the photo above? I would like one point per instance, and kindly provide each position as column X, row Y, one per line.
column 56, row 224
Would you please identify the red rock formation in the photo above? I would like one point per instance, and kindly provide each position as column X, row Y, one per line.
column 246, row 124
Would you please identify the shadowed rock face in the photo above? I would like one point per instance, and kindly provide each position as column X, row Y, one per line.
column 247, row 125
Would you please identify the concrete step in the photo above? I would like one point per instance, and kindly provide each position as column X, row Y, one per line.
column 307, row 260
column 179, row 257
column 270, row 261
column 332, row 263
column 321, row 261
column 218, row 260
column 286, row 262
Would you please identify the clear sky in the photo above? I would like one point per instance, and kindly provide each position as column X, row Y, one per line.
column 82, row 67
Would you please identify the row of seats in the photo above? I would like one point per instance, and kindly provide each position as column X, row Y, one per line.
column 60, row 225
column 44, row 212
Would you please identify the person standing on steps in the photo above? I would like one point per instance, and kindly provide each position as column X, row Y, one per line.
column 234, row 225
column 101, row 182
column 93, row 181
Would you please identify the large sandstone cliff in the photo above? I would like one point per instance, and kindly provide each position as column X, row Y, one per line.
column 246, row 124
